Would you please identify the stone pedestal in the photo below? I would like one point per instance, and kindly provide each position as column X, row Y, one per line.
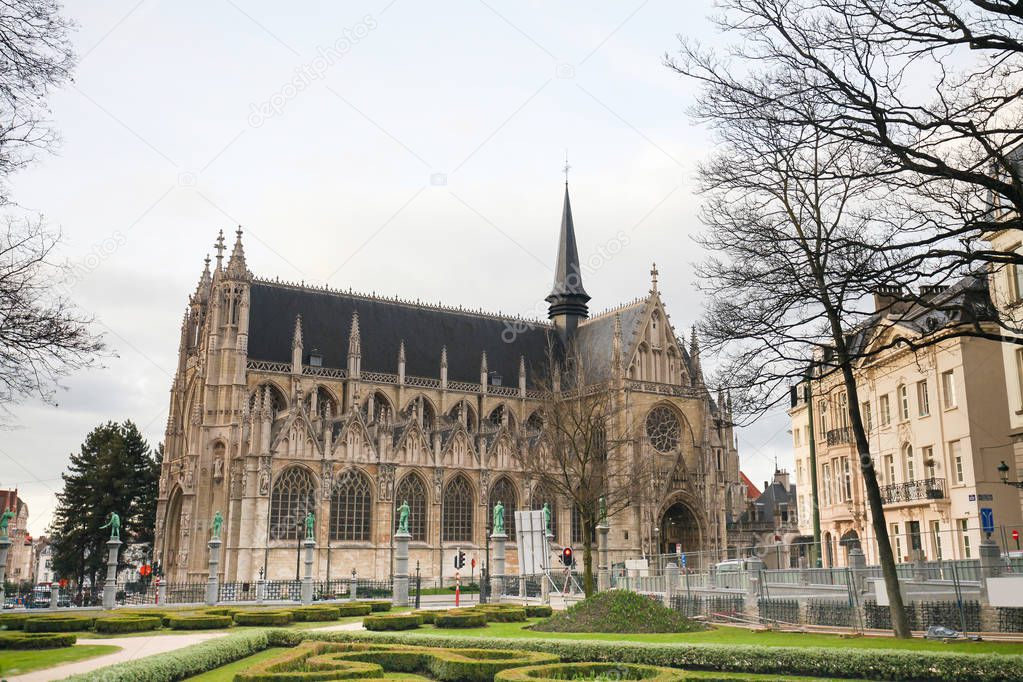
column 260, row 591
column 603, row 565
column 110, row 585
column 307, row 579
column 399, row 595
column 54, row 595
column 353, row 587
column 213, row 581
column 161, row 592
column 990, row 564
column 497, row 576
column 858, row 567
column 754, row 571
column 5, row 546
column 671, row 582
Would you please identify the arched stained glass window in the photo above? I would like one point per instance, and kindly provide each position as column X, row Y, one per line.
column 412, row 489
column 351, row 503
column 292, row 497
column 456, row 514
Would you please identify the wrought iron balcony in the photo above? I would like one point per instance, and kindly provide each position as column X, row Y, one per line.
column 924, row 489
column 840, row 436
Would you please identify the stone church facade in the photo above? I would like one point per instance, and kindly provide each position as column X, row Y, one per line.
column 292, row 398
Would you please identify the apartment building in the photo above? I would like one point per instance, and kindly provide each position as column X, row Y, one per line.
column 936, row 423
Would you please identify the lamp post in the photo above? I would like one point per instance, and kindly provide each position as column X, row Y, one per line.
column 1003, row 472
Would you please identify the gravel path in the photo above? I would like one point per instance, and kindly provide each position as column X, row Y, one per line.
column 131, row 648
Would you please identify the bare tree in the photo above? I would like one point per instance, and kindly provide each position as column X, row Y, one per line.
column 584, row 454
column 43, row 336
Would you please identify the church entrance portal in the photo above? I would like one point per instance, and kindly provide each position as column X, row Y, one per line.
column 679, row 526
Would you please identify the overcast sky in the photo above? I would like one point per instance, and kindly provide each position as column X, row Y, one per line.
column 393, row 146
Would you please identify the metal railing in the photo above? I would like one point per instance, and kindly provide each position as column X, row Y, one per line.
column 840, row 436
column 923, row 489
column 237, row 592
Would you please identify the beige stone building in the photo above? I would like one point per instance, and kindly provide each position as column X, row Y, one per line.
column 19, row 556
column 937, row 427
column 292, row 398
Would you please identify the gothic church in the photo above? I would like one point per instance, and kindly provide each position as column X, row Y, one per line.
column 291, row 398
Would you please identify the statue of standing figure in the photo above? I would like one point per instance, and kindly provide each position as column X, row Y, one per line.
column 603, row 509
column 5, row 520
column 114, row 524
column 403, row 513
column 547, row 519
column 310, row 523
column 218, row 522
column 498, row 518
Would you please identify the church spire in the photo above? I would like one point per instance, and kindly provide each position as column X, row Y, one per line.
column 616, row 345
column 568, row 298
column 219, row 246
column 355, row 348
column 236, row 265
column 694, row 356
column 296, row 346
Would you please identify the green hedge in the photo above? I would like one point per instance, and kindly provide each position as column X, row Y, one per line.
column 36, row 640
column 13, row 621
column 315, row 613
column 128, row 623
column 262, row 617
column 515, row 614
column 466, row 619
column 58, row 623
column 427, row 616
column 538, row 610
column 872, row 664
column 182, row 663
column 393, row 621
column 590, row 671
column 354, row 609
column 376, row 604
column 197, row 621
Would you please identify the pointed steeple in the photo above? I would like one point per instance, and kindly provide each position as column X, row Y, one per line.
column 401, row 363
column 296, row 346
column 694, row 356
column 219, row 246
column 522, row 376
column 202, row 289
column 296, row 337
column 355, row 348
column 616, row 345
column 568, row 298
column 483, row 371
column 443, row 367
column 236, row 265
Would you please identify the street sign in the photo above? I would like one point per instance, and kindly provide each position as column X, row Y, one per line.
column 682, row 560
column 987, row 519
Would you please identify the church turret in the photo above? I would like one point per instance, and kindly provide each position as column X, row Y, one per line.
column 296, row 347
column 616, row 347
column 483, row 372
column 522, row 376
column 694, row 356
column 401, row 363
column 568, row 298
column 236, row 266
column 354, row 349
column 444, row 367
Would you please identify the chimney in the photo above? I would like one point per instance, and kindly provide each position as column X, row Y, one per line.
column 887, row 298
column 929, row 291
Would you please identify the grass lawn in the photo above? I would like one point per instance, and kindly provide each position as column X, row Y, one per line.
column 310, row 625
column 17, row 662
column 732, row 635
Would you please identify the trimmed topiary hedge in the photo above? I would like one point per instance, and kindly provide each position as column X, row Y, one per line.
column 872, row 664
column 393, row 621
column 319, row 612
column 263, row 618
column 60, row 623
column 515, row 614
column 36, row 640
column 354, row 609
column 538, row 611
column 591, row 671
column 129, row 623
column 427, row 615
column 619, row 611
column 197, row 621
column 376, row 604
column 13, row 621
column 460, row 619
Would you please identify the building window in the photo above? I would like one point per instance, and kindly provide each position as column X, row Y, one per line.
column 936, row 540
column 843, row 411
column 896, row 541
column 948, row 389
column 966, row 538
column 795, row 437
column 456, row 515
column 923, row 403
column 885, row 410
column 847, row 478
column 577, row 527
column 292, row 498
column 822, row 410
column 504, row 492
column 663, row 429
column 955, row 454
column 411, row 489
column 350, row 505
column 927, row 453
column 907, row 455
column 1016, row 281
column 827, row 483
column 903, row 402
column 868, row 418
column 889, row 465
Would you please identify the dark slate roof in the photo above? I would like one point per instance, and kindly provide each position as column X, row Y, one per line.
column 383, row 324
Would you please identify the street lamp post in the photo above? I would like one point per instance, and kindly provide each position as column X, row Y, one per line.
column 1003, row 472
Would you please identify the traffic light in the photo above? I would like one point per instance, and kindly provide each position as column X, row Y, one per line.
column 460, row 559
column 567, row 557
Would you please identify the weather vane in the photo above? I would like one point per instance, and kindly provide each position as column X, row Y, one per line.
column 567, row 167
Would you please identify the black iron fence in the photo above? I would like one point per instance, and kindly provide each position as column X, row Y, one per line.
column 283, row 590
column 186, row 593
column 924, row 489
column 237, row 592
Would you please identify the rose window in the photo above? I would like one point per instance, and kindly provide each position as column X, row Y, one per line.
column 663, row 429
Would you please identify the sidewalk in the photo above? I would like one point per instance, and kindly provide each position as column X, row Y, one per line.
column 132, row 648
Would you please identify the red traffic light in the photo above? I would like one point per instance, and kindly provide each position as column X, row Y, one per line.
column 1015, row 534
column 566, row 556
column 62, row 582
column 145, row 569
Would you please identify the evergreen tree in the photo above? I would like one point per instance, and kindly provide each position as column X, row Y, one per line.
column 115, row 470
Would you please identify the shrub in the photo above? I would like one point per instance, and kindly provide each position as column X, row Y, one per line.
column 393, row 621
column 538, row 611
column 456, row 619
column 315, row 613
column 13, row 621
column 873, row 664
column 590, row 671
column 618, row 611
column 354, row 609
column 148, row 613
column 503, row 615
column 377, row 604
column 118, row 624
column 197, row 621
column 262, row 617
column 40, row 640
column 58, row 623
column 182, row 663
column 427, row 616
